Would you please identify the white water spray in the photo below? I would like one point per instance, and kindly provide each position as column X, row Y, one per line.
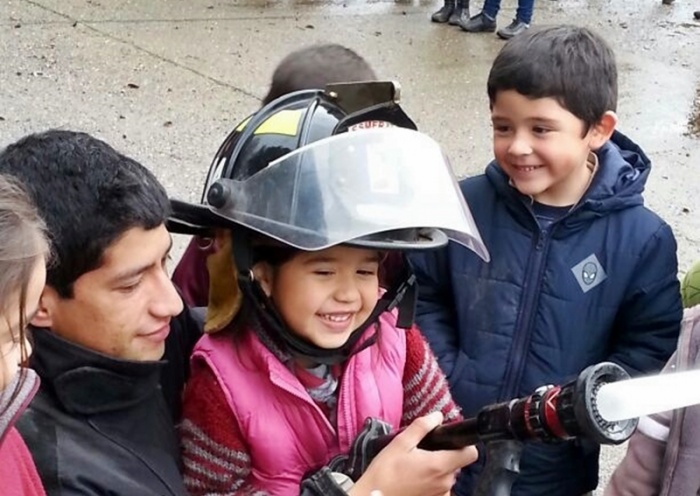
column 646, row 395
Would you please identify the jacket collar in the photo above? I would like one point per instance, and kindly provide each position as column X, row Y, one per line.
column 87, row 382
column 15, row 398
column 623, row 169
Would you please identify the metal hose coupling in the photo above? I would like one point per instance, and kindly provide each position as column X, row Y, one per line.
column 551, row 413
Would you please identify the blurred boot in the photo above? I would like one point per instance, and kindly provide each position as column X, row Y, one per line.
column 461, row 13
column 480, row 23
column 513, row 29
column 443, row 15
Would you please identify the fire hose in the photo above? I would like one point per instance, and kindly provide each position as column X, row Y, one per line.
column 602, row 404
column 550, row 414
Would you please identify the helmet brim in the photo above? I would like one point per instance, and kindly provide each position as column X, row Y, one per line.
column 403, row 240
column 193, row 218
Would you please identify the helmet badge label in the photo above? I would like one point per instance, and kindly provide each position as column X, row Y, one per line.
column 370, row 125
column 589, row 273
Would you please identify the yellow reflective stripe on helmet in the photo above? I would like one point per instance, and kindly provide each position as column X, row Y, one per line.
column 285, row 122
column 243, row 124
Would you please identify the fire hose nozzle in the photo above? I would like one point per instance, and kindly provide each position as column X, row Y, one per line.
column 550, row 414
column 578, row 409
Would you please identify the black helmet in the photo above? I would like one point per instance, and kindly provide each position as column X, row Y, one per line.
column 283, row 126
column 308, row 173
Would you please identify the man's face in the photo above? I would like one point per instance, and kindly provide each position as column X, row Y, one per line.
column 123, row 308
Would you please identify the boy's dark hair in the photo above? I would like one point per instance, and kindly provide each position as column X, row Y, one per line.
column 571, row 64
column 89, row 195
column 315, row 66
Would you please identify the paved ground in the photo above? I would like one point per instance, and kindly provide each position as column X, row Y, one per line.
column 164, row 81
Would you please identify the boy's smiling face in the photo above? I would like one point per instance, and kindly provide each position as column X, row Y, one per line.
column 542, row 146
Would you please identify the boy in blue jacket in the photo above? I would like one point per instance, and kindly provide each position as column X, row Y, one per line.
column 581, row 271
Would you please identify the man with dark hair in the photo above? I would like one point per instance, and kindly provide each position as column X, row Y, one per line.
column 111, row 340
column 581, row 271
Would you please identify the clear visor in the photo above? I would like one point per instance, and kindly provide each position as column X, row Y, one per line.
column 354, row 185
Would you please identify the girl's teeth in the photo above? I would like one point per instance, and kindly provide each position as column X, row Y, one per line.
column 337, row 318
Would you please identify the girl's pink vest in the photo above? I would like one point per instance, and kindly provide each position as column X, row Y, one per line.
column 287, row 434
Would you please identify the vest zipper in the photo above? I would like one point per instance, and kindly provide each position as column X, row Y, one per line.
column 296, row 391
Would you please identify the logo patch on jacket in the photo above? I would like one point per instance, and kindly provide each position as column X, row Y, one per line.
column 589, row 273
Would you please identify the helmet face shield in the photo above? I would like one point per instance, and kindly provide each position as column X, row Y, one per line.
column 361, row 184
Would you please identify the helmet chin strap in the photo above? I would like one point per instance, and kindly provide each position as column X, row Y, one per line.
column 402, row 294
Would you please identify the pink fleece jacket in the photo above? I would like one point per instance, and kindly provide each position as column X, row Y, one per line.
column 18, row 475
column 663, row 456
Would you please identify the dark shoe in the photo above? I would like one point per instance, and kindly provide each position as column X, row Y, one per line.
column 513, row 29
column 443, row 15
column 460, row 14
column 479, row 24
column 696, row 14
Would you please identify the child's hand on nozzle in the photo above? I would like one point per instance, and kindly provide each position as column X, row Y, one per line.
column 401, row 469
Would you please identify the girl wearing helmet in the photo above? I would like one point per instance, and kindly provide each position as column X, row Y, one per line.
column 309, row 67
column 317, row 346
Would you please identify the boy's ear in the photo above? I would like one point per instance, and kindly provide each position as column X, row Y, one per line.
column 601, row 132
column 42, row 317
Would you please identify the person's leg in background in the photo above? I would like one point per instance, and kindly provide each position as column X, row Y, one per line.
column 484, row 21
column 452, row 12
column 523, row 16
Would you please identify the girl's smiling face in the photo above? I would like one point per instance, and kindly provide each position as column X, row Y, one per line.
column 323, row 296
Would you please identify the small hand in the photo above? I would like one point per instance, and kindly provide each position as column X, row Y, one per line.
column 401, row 469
